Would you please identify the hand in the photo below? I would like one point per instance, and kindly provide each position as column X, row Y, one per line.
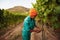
column 31, row 30
column 38, row 31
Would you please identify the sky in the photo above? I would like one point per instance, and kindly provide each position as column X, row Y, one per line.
column 5, row 4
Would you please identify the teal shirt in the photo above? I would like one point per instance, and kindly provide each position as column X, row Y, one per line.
column 28, row 24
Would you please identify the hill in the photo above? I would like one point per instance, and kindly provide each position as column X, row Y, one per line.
column 18, row 9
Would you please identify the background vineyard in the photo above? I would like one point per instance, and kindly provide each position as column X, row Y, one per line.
column 8, row 18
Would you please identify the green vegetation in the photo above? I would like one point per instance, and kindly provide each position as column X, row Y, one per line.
column 7, row 18
column 48, row 12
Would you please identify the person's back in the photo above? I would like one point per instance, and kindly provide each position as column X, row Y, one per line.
column 28, row 24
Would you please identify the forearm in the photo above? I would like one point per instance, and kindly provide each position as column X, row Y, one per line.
column 36, row 29
column 32, row 30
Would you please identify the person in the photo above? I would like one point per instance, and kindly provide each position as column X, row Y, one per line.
column 29, row 24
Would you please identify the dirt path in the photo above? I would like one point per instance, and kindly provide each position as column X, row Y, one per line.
column 12, row 33
column 15, row 34
column 48, row 34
